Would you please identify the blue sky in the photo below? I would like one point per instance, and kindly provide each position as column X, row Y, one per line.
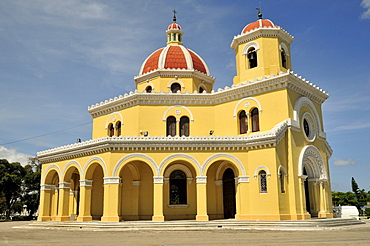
column 59, row 57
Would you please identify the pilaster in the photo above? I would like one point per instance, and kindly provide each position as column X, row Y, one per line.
column 242, row 200
column 45, row 200
column 158, row 199
column 202, row 198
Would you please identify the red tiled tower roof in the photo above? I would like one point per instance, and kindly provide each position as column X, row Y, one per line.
column 174, row 26
column 258, row 24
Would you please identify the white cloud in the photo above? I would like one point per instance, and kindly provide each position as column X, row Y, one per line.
column 13, row 156
column 356, row 125
column 340, row 162
column 366, row 5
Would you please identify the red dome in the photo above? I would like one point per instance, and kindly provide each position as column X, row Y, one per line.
column 174, row 26
column 258, row 24
column 174, row 57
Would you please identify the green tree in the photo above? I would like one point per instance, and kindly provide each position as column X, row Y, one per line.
column 355, row 188
column 344, row 198
column 11, row 181
column 31, row 191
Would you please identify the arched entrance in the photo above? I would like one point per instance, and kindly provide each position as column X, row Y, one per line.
column 179, row 191
column 97, row 191
column 228, row 183
column 75, row 193
column 136, row 194
column 307, row 191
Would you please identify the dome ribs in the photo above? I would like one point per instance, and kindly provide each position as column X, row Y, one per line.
column 197, row 63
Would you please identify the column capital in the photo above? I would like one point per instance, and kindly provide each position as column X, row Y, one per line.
column 242, row 179
column 47, row 187
column 86, row 182
column 218, row 182
column 304, row 177
column 112, row 180
column 201, row 179
column 64, row 185
column 158, row 179
column 136, row 183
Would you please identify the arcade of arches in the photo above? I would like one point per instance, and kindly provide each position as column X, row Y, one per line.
column 178, row 149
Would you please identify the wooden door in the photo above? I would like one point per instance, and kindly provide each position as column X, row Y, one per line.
column 228, row 184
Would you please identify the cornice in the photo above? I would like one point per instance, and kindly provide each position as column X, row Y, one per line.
column 165, row 72
column 235, row 92
column 261, row 32
column 155, row 143
column 267, row 139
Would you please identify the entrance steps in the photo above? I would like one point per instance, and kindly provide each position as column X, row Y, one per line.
column 188, row 225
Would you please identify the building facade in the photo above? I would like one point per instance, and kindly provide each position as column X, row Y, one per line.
column 178, row 149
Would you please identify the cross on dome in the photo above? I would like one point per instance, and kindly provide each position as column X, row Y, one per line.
column 174, row 15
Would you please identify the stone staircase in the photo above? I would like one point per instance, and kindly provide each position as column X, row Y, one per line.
column 187, row 225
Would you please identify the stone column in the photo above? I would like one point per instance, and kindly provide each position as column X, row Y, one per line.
column 302, row 198
column 111, row 199
column 45, row 200
column 63, row 207
column 85, row 201
column 54, row 203
column 242, row 199
column 322, row 212
column 202, row 198
column 158, row 199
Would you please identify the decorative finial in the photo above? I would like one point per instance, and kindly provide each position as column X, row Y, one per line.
column 259, row 13
column 174, row 15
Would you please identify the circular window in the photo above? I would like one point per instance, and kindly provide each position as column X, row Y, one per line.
column 306, row 127
column 309, row 127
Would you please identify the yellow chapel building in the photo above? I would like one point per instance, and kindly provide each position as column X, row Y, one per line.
column 176, row 148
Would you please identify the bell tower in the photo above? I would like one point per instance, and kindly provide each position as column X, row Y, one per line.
column 261, row 49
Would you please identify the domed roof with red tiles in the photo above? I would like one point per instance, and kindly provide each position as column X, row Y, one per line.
column 174, row 57
column 174, row 26
column 258, row 24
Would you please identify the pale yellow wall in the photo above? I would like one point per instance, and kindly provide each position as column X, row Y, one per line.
column 268, row 60
column 219, row 118
column 160, row 83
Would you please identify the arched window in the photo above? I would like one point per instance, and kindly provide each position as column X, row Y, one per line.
column 148, row 89
column 243, row 122
column 283, row 59
column 118, row 128
column 171, row 126
column 282, row 181
column 201, row 89
column 252, row 57
column 175, row 87
column 178, row 187
column 184, row 126
column 255, row 120
column 263, row 181
column 110, row 130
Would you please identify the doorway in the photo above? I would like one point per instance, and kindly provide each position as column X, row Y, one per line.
column 307, row 192
column 228, row 189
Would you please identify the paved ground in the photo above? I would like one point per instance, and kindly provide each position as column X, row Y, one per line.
column 356, row 235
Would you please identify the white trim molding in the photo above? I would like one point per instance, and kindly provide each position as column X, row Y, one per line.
column 258, row 169
column 158, row 179
column 86, row 183
column 201, row 179
column 112, row 180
